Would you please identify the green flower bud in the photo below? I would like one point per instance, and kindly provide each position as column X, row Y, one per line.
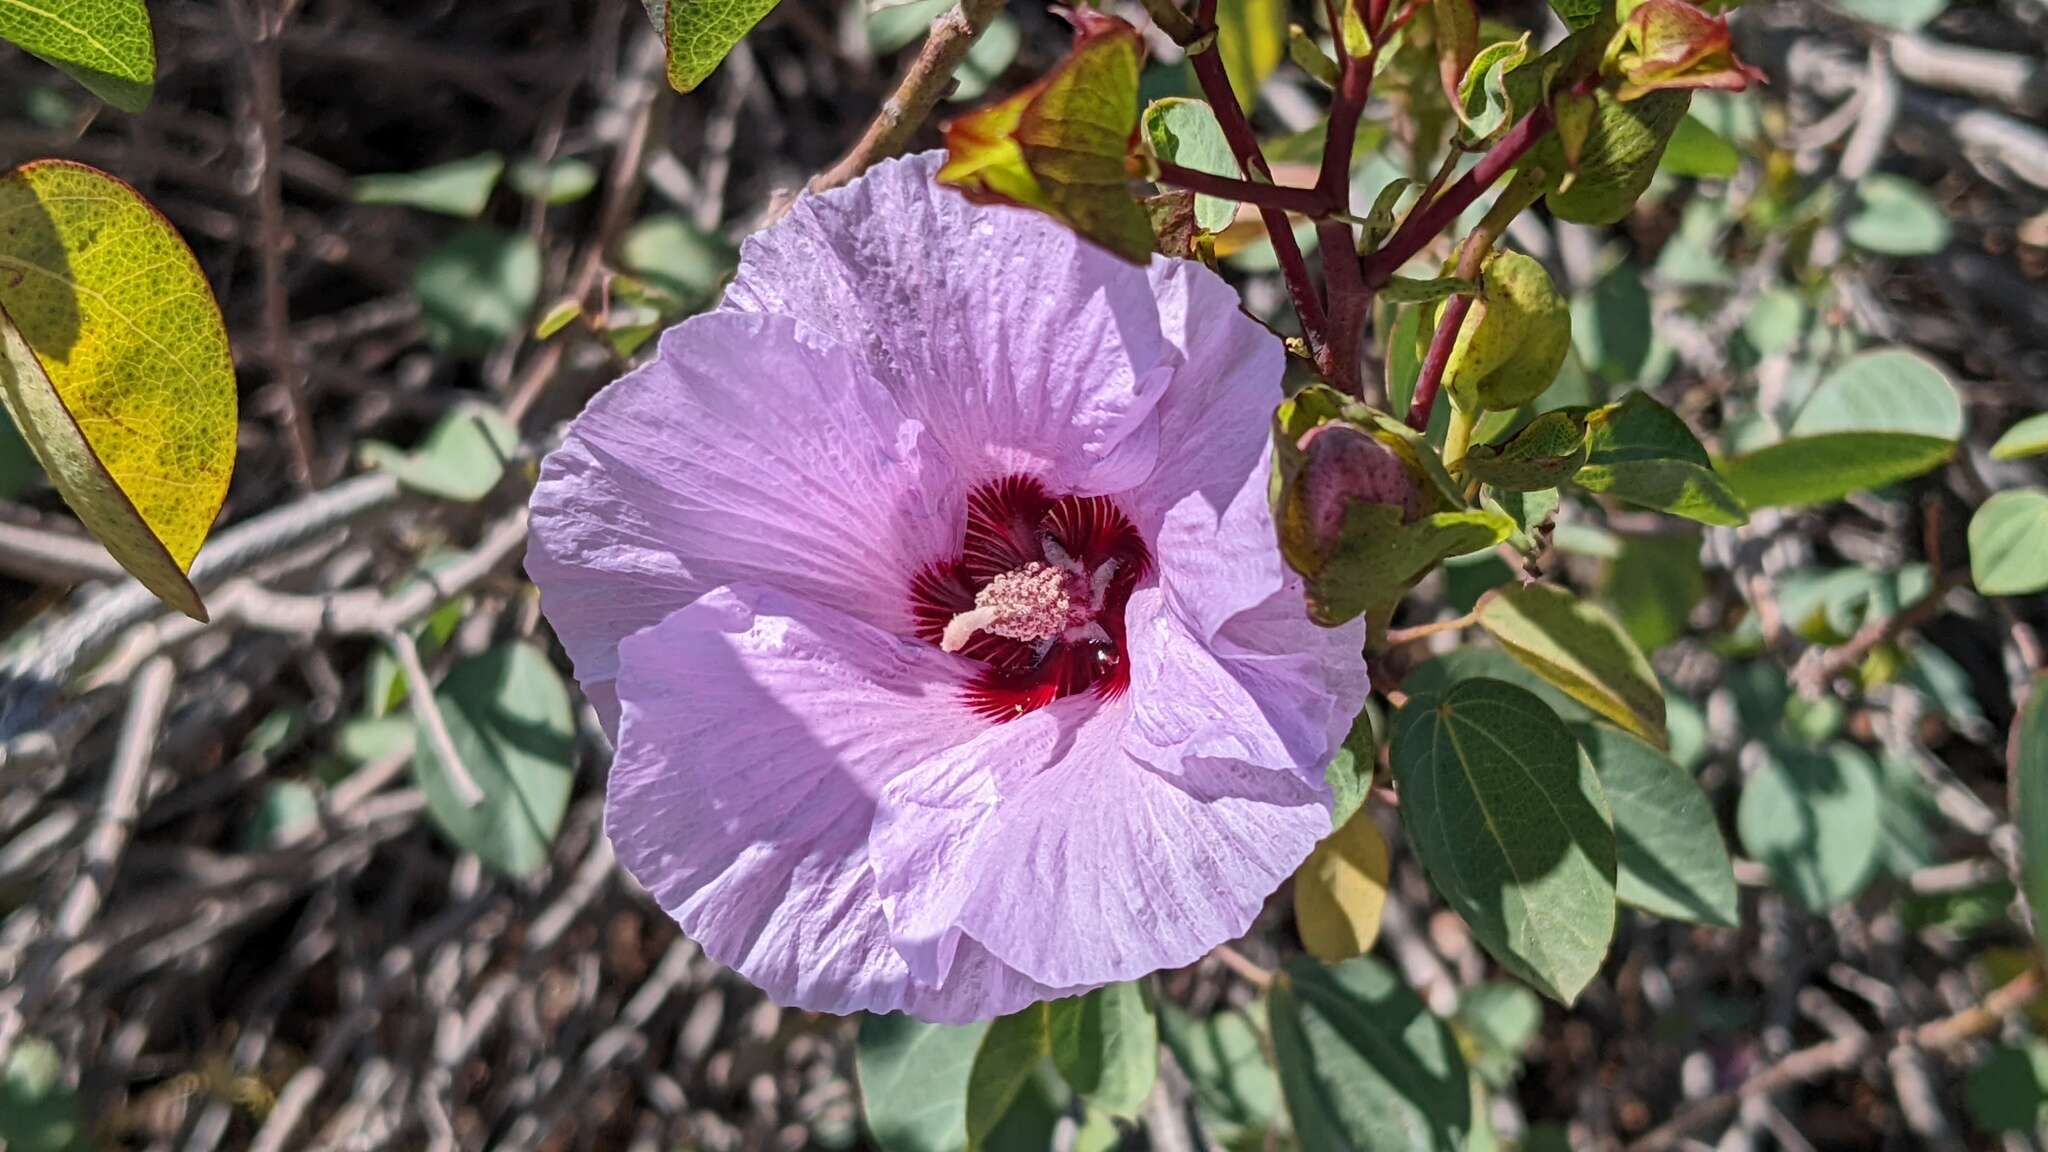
column 1513, row 340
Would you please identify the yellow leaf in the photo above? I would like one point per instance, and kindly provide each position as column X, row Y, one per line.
column 114, row 363
column 1064, row 145
column 1340, row 890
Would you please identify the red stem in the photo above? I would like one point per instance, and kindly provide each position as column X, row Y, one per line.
column 1431, row 379
column 1342, row 274
column 1252, row 163
column 1425, row 223
column 1302, row 200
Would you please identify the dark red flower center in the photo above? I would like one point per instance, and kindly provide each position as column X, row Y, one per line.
column 1037, row 594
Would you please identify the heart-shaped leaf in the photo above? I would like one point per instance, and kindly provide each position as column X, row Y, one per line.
column 913, row 1081
column 1672, row 860
column 1812, row 818
column 1513, row 827
column 508, row 718
column 114, row 365
column 2009, row 543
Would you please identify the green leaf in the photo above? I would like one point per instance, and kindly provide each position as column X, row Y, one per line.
column 1895, row 217
column 700, row 33
column 1545, row 453
column 563, row 181
column 678, row 257
column 114, row 366
column 39, row 1112
column 477, row 290
column 1640, row 452
column 2029, row 437
column 1252, row 35
column 105, row 45
column 1624, row 143
column 1497, row 1020
column 1007, row 1062
column 557, row 318
column 457, row 188
column 508, row 716
column 1106, row 1045
column 1668, row 847
column 1612, row 326
column 2009, row 1090
column 1812, row 818
column 1577, row 646
column 1484, row 662
column 1185, row 132
column 19, row 472
column 1350, row 772
column 1882, row 417
column 461, row 459
column 2028, row 751
column 1363, row 1064
column 1341, row 889
column 1237, row 1094
column 1380, row 557
column 1577, row 14
column 285, row 811
column 1698, row 151
column 1904, row 15
column 2009, row 543
column 1654, row 584
column 1483, row 93
column 1513, row 827
column 1775, row 322
column 913, row 1081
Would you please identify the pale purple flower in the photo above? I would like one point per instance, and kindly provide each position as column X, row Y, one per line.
column 930, row 590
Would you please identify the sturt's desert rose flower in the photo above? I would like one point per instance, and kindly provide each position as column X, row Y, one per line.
column 929, row 588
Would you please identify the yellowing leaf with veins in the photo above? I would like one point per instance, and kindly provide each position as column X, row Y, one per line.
column 114, row 363
column 1340, row 890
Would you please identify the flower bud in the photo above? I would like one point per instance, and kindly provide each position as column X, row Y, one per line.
column 1513, row 341
column 1343, row 465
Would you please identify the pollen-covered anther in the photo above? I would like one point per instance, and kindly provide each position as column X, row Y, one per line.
column 1033, row 603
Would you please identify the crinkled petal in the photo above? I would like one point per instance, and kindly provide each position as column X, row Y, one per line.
column 1271, row 690
column 748, row 450
column 756, row 730
column 1023, row 348
column 1045, row 841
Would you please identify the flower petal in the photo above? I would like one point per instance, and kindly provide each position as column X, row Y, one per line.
column 1021, row 347
column 756, row 729
column 1046, row 842
column 1271, row 690
column 749, row 450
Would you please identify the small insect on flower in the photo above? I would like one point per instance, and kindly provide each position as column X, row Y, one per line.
column 929, row 590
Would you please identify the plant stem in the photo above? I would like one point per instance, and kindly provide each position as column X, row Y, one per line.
column 1525, row 190
column 1458, row 437
column 1426, row 221
column 1304, row 201
column 1208, row 65
column 929, row 78
column 1343, row 276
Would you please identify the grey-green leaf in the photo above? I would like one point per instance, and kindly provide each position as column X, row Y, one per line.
column 1812, row 818
column 477, row 290
column 913, row 1081
column 1106, row 1045
column 457, row 188
column 2029, row 437
column 461, row 459
column 1882, row 417
column 508, row 717
column 1699, row 151
column 1498, row 1020
column 1185, row 132
column 105, row 45
column 1672, row 860
column 1576, row 645
column 1364, row 1065
column 1512, row 826
column 2009, row 543
column 1895, row 217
